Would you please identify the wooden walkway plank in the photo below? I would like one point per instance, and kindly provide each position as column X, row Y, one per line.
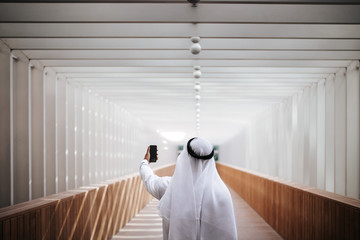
column 147, row 224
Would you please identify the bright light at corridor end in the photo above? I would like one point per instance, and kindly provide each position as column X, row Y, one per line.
column 173, row 136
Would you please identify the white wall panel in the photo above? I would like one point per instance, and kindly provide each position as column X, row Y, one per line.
column 73, row 138
column 294, row 138
column 71, row 135
column 353, row 130
column 287, row 128
column 274, row 142
column 37, row 142
column 315, row 134
column 50, row 132
column 61, row 134
column 4, row 125
column 329, row 133
column 78, row 119
column 91, row 139
column 85, row 137
column 306, row 136
column 340, row 132
column 320, row 166
column 21, row 138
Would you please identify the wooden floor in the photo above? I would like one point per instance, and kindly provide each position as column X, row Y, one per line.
column 147, row 224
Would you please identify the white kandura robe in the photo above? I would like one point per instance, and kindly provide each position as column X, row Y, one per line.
column 195, row 203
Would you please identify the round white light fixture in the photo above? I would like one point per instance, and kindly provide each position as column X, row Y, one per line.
column 197, row 104
column 196, row 68
column 197, row 97
column 197, row 74
column 195, row 48
column 197, row 87
column 195, row 39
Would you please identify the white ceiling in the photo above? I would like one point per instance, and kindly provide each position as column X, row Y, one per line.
column 254, row 53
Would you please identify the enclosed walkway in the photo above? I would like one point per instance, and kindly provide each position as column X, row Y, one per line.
column 87, row 86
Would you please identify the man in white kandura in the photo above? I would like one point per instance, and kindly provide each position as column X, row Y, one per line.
column 194, row 203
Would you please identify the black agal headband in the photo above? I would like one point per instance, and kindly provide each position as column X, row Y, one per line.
column 194, row 155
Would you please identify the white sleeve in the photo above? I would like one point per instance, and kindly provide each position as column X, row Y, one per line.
column 155, row 185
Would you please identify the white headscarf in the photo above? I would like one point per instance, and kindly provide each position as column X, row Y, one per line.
column 197, row 204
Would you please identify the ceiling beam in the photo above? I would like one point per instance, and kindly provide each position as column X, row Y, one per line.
column 186, row 54
column 113, row 77
column 118, row 70
column 178, row 30
column 179, row 44
column 178, row 13
column 191, row 63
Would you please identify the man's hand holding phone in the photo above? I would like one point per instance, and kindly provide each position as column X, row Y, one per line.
column 151, row 154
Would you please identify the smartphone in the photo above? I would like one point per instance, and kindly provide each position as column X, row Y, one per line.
column 153, row 153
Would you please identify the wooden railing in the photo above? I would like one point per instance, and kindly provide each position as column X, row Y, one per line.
column 93, row 212
column 295, row 211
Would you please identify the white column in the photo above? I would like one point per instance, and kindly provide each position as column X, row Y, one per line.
column 329, row 133
column 340, row 132
column 312, row 135
column 320, row 138
column 29, row 129
column 44, row 130
column 75, row 138
column 56, row 137
column 306, row 136
column 12, row 58
column 353, row 130
column 66, row 135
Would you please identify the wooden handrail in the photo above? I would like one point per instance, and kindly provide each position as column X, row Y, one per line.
column 92, row 212
column 295, row 211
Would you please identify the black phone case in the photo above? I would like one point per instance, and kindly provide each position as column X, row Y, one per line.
column 153, row 153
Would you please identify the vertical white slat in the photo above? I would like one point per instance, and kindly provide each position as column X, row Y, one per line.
column 126, row 149
column 29, row 130
column 110, row 134
column 114, row 166
column 294, row 140
column 90, row 102
column 312, row 135
column 44, row 129
column 75, row 135
column 320, row 137
column 123, row 168
column 117, row 148
column 99, row 139
column 330, row 134
column 306, row 136
column 301, row 127
column 12, row 128
column 66, row 135
column 340, row 132
column 353, row 129
column 113, row 150
column 105, row 135
column 83, row 137
column 119, row 140
column 56, row 137
column 102, row 142
column 96, row 143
